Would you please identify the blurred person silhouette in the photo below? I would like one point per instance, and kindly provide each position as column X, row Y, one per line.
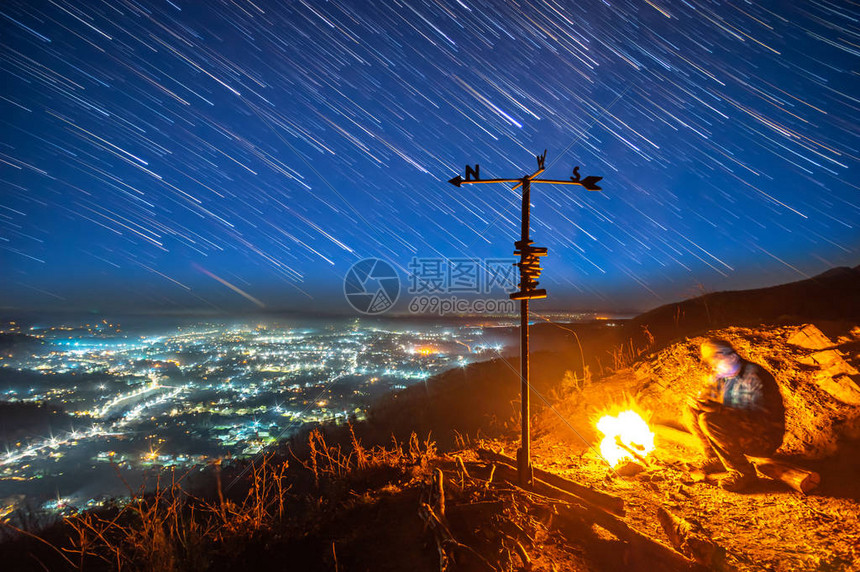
column 738, row 412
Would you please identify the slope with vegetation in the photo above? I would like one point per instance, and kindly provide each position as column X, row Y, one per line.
column 375, row 496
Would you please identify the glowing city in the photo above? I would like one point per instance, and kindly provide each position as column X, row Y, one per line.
column 182, row 396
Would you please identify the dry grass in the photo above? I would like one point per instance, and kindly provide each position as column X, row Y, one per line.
column 626, row 354
column 170, row 528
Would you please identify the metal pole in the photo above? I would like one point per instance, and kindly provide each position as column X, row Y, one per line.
column 524, row 460
column 530, row 270
column 525, row 464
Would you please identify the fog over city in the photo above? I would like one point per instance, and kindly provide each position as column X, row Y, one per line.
column 137, row 395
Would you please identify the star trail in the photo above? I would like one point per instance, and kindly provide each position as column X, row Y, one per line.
column 238, row 155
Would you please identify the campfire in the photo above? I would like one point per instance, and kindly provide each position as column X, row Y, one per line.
column 627, row 437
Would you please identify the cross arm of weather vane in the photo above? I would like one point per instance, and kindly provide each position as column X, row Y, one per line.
column 473, row 176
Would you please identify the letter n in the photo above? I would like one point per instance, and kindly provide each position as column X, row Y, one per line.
column 470, row 173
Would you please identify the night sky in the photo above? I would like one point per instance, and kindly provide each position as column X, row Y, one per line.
column 242, row 155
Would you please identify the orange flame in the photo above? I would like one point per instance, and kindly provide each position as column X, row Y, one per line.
column 624, row 433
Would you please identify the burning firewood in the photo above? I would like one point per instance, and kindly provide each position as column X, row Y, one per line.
column 629, row 469
column 626, row 436
column 636, row 455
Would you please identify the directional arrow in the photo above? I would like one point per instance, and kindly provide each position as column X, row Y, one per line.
column 458, row 180
column 587, row 182
column 590, row 183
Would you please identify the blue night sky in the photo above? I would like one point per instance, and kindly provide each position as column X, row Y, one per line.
column 235, row 155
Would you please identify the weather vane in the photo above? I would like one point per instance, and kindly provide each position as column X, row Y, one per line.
column 530, row 270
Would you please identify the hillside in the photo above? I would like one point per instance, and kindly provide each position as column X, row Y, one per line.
column 425, row 483
column 770, row 527
column 832, row 296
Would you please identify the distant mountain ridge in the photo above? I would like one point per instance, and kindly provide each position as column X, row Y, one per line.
column 12, row 339
column 833, row 295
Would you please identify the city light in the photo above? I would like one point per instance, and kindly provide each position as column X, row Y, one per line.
column 177, row 397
